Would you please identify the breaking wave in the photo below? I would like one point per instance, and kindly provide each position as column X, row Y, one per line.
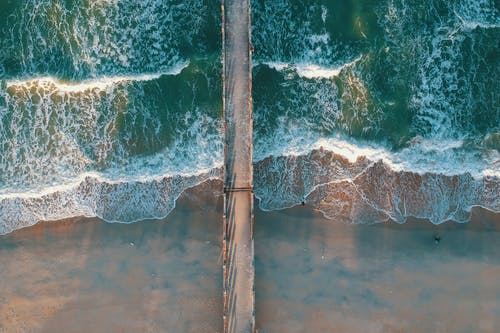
column 370, row 191
column 114, row 201
column 379, row 110
column 365, row 110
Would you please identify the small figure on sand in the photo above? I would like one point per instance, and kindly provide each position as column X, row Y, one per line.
column 437, row 238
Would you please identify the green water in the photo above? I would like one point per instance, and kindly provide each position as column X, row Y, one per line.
column 129, row 93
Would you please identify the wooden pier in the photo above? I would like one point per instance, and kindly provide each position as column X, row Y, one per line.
column 238, row 244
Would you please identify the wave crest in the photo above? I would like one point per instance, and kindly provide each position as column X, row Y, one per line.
column 366, row 191
column 126, row 202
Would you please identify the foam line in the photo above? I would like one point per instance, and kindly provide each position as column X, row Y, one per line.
column 101, row 83
column 311, row 70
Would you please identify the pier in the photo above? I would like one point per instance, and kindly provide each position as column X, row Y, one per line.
column 238, row 243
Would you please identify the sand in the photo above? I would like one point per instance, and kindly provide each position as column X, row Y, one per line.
column 85, row 275
column 315, row 275
column 312, row 274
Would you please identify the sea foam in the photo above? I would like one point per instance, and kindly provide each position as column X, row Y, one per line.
column 100, row 83
column 311, row 70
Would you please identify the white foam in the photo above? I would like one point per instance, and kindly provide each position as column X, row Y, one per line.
column 279, row 66
column 111, row 177
column 375, row 184
column 471, row 25
column 310, row 70
column 101, row 83
column 98, row 38
column 142, row 188
column 125, row 202
column 439, row 156
column 474, row 14
column 198, row 150
column 442, row 88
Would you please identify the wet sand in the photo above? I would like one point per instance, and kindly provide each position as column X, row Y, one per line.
column 315, row 275
column 85, row 275
column 312, row 274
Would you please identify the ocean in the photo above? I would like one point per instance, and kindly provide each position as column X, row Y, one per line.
column 365, row 110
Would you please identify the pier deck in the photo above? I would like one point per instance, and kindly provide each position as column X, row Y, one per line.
column 238, row 246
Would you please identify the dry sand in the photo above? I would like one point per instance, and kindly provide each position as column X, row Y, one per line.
column 312, row 274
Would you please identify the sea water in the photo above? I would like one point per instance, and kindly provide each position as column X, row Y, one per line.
column 366, row 110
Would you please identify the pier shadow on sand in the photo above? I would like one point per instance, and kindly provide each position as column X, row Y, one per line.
column 318, row 275
column 85, row 275
column 312, row 274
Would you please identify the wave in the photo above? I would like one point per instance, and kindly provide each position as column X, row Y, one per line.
column 420, row 155
column 403, row 131
column 300, row 32
column 122, row 148
column 422, row 65
column 90, row 39
column 309, row 70
column 52, row 132
column 345, row 181
column 102, row 115
column 367, row 191
column 118, row 201
column 474, row 14
column 101, row 83
column 444, row 65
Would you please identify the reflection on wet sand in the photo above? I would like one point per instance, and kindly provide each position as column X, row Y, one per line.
column 83, row 275
column 318, row 275
column 312, row 274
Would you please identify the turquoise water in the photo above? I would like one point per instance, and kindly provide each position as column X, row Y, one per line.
column 426, row 69
column 411, row 83
column 112, row 108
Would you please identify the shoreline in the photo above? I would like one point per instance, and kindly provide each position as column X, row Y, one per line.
column 312, row 274
column 364, row 191
column 83, row 274
column 214, row 186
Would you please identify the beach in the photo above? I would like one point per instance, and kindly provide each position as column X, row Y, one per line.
column 316, row 275
column 289, row 166
column 85, row 275
column 312, row 274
